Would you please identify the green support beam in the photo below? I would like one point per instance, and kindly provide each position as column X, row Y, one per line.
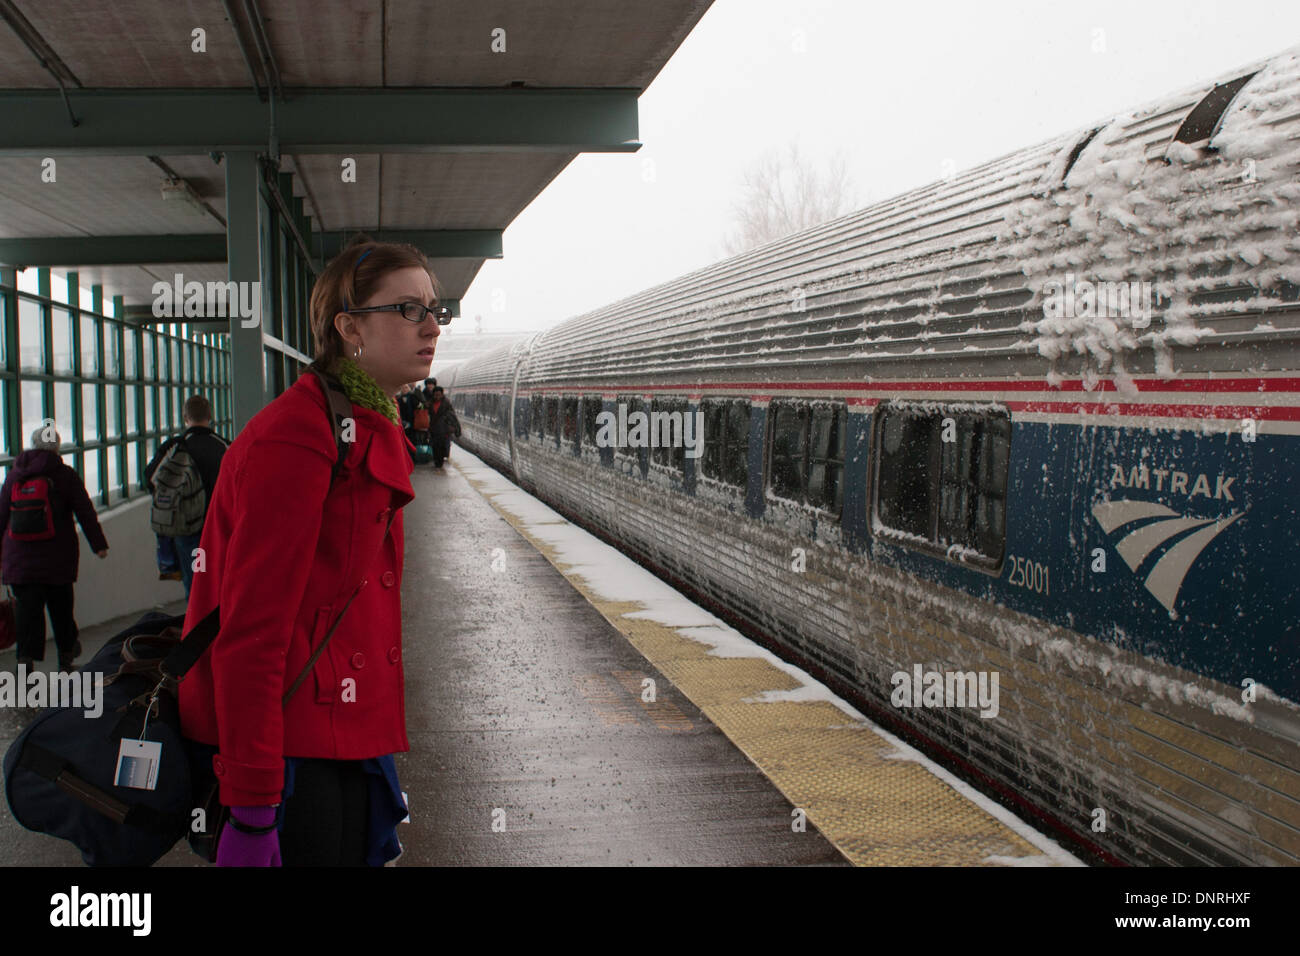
column 434, row 243
column 102, row 352
column 10, row 393
column 113, row 250
column 246, row 221
column 188, row 121
column 78, row 413
column 43, row 289
column 211, row 247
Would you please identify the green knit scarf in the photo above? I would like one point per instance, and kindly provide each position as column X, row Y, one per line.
column 364, row 390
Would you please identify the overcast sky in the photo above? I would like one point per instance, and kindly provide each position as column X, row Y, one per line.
column 898, row 88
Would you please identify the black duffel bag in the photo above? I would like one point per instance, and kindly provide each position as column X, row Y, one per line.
column 58, row 772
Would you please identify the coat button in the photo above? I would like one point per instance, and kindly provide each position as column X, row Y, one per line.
column 358, row 660
column 218, row 767
column 389, row 579
column 394, row 655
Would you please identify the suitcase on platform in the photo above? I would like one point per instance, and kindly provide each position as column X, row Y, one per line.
column 423, row 446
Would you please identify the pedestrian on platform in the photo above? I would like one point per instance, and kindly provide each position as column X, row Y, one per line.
column 443, row 422
column 190, row 463
column 296, row 554
column 39, row 548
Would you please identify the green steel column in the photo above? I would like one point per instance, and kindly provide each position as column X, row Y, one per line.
column 12, row 393
column 142, row 446
column 245, row 215
column 47, row 353
column 101, row 389
column 124, row 443
column 78, row 413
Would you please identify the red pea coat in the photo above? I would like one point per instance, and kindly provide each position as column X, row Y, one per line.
column 283, row 550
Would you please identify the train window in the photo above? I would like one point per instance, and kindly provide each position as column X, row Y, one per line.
column 523, row 410
column 1202, row 122
column 537, row 416
column 806, row 462
column 633, row 454
column 941, row 479
column 591, row 407
column 1079, row 147
column 667, row 438
column 828, row 427
column 553, row 417
column 569, row 420
column 726, row 442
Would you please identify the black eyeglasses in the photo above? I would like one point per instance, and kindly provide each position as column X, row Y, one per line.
column 412, row 311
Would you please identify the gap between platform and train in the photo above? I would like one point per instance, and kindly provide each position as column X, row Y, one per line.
column 879, row 801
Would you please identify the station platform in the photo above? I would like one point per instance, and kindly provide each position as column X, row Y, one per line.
column 564, row 707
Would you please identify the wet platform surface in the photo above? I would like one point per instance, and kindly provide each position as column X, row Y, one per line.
column 530, row 742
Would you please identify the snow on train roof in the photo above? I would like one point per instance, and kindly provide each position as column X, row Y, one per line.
column 988, row 261
column 1211, row 233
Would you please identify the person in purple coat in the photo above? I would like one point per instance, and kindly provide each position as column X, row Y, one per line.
column 39, row 550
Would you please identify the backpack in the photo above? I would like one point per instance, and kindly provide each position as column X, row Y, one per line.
column 179, row 498
column 421, row 421
column 31, row 517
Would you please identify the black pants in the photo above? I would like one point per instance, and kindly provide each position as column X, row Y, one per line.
column 326, row 821
column 441, row 449
column 31, row 600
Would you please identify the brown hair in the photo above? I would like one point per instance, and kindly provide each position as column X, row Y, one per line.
column 349, row 281
column 198, row 409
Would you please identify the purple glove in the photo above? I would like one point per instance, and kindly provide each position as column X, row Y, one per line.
column 236, row 848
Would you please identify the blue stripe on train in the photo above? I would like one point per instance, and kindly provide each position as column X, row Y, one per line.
column 1222, row 511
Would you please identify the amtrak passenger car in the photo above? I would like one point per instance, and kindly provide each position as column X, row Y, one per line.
column 1038, row 421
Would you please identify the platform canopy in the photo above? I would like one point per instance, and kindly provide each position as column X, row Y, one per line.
column 250, row 139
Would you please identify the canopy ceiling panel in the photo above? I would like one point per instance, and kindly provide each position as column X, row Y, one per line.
column 94, row 195
column 365, row 45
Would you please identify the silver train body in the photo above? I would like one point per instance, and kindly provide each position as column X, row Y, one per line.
column 1039, row 421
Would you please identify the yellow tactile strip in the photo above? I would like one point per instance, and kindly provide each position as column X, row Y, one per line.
column 875, row 809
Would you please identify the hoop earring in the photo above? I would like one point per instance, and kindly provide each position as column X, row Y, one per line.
column 360, row 351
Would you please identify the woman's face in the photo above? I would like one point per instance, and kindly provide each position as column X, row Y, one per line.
column 395, row 351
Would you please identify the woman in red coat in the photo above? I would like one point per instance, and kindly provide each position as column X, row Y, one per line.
column 283, row 549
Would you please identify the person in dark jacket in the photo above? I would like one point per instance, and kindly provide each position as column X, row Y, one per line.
column 206, row 447
column 41, row 567
column 443, row 422
column 404, row 411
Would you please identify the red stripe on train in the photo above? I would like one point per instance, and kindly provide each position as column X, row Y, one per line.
column 1276, row 413
column 1238, row 385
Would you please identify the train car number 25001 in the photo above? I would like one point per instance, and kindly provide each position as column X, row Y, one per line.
column 1029, row 574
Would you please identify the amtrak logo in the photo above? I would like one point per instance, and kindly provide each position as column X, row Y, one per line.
column 1138, row 528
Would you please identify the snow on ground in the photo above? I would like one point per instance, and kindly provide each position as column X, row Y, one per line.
column 617, row 578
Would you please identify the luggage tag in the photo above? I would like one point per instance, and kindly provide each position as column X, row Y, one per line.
column 138, row 760
column 137, row 764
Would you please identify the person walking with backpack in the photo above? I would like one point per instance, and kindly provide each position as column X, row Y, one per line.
column 298, row 704
column 181, row 477
column 39, row 549
column 443, row 423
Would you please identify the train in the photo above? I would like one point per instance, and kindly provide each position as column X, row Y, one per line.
column 1036, row 421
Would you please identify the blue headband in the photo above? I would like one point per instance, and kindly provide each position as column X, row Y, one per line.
column 354, row 271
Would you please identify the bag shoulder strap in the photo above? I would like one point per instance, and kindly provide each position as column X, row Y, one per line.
column 339, row 409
